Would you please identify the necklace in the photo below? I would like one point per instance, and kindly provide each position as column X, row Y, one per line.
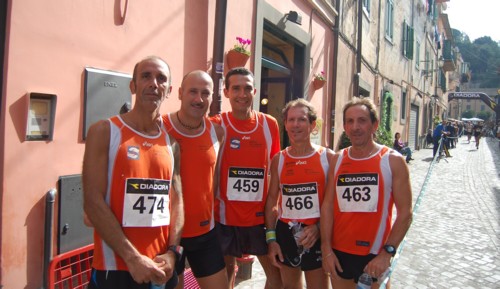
column 187, row 125
column 372, row 151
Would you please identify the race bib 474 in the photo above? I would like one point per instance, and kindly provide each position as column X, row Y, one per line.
column 146, row 203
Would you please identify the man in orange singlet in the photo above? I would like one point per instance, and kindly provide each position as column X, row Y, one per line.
column 199, row 140
column 252, row 139
column 296, row 191
column 365, row 182
column 132, row 189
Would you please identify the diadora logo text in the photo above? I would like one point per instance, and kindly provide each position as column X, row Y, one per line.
column 147, row 186
column 146, row 144
column 245, row 138
column 301, row 163
column 357, row 179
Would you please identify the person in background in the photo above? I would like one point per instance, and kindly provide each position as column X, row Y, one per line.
column 477, row 130
column 252, row 139
column 199, row 140
column 436, row 136
column 468, row 130
column 401, row 148
column 428, row 138
column 296, row 190
column 450, row 140
column 365, row 182
column 137, row 212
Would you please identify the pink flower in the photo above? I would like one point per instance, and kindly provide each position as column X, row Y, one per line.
column 242, row 44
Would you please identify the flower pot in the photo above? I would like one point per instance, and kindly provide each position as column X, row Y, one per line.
column 318, row 83
column 236, row 59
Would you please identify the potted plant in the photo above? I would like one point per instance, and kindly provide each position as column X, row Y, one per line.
column 319, row 80
column 239, row 55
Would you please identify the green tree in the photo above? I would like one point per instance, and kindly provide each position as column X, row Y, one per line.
column 483, row 54
column 344, row 141
column 467, row 114
column 484, row 115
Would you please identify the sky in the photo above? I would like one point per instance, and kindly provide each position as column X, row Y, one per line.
column 476, row 18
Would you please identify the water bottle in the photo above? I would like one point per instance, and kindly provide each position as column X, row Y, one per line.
column 364, row 281
column 385, row 275
column 297, row 231
column 157, row 286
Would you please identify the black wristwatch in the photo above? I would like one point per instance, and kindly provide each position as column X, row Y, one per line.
column 390, row 249
column 178, row 250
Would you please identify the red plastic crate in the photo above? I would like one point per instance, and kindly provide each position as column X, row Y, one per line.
column 71, row 270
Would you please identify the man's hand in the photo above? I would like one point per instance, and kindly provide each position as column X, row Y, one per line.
column 309, row 236
column 378, row 265
column 144, row 270
column 273, row 251
column 331, row 264
column 166, row 263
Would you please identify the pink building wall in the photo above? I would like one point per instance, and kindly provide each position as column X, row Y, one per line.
column 48, row 45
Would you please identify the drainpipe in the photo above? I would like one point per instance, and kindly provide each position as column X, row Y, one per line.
column 50, row 198
column 218, row 56
column 358, row 46
column 336, row 32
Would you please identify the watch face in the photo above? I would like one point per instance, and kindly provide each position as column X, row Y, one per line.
column 390, row 249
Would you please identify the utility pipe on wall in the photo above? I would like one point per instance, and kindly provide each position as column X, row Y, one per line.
column 218, row 56
column 50, row 198
column 358, row 49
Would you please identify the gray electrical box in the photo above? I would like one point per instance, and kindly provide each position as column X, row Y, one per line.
column 72, row 233
column 106, row 93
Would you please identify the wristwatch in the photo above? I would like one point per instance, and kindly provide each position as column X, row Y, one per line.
column 178, row 250
column 390, row 249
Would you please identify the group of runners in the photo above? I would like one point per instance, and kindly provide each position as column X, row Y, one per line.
column 165, row 190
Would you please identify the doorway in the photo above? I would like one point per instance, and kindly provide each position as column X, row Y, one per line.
column 282, row 75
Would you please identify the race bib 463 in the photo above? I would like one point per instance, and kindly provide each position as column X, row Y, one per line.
column 358, row 192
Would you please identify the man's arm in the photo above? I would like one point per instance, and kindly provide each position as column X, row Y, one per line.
column 275, row 135
column 220, row 136
column 94, row 177
column 166, row 261
column 177, row 204
column 330, row 261
column 401, row 192
column 271, row 212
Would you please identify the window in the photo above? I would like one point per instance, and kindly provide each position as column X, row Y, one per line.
column 483, row 107
column 389, row 19
column 417, row 55
column 407, row 41
column 442, row 81
column 427, row 61
column 366, row 6
column 468, row 107
column 403, row 105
